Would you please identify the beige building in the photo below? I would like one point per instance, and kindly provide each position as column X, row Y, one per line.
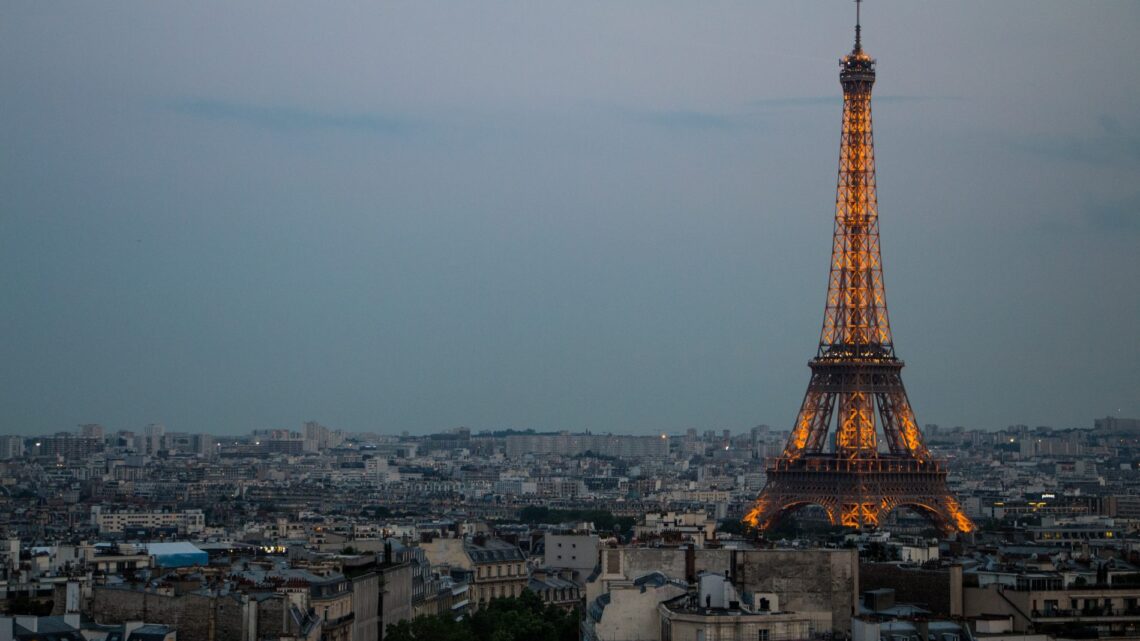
column 1042, row 604
column 656, row 608
column 628, row 611
column 718, row 611
column 819, row 580
column 187, row 521
column 681, row 621
column 695, row 527
column 556, row 589
column 498, row 569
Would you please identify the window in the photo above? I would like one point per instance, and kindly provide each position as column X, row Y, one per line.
column 762, row 634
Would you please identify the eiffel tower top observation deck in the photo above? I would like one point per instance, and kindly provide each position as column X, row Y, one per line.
column 856, row 377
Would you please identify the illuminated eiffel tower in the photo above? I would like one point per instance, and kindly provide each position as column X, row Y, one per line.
column 855, row 374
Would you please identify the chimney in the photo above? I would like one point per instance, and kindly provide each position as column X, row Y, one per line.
column 72, row 597
column 690, row 564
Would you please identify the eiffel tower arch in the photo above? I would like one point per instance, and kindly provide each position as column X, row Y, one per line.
column 856, row 387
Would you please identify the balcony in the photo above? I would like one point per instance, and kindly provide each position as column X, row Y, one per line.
column 1092, row 615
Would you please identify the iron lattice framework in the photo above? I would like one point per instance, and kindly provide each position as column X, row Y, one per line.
column 856, row 377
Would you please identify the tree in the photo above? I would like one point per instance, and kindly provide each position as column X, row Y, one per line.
column 376, row 511
column 23, row 605
column 733, row 526
column 427, row 628
column 522, row 618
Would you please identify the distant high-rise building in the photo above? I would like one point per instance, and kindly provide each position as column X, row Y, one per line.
column 152, row 438
column 1114, row 425
column 516, row 445
column 91, row 430
column 11, row 447
column 68, row 446
column 316, row 437
column 184, row 443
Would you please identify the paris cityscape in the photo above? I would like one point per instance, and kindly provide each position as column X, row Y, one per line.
column 316, row 479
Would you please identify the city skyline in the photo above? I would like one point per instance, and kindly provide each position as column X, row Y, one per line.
column 606, row 219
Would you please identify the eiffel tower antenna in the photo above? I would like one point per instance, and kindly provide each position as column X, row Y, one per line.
column 858, row 27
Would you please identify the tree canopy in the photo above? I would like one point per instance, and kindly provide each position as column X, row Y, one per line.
column 604, row 520
column 522, row 618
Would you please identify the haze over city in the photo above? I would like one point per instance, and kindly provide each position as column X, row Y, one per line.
column 608, row 217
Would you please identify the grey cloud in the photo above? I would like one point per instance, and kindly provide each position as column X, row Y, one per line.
column 287, row 118
column 1115, row 216
column 687, row 119
column 1113, row 145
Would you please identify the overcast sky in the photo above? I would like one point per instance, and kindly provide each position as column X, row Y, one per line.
column 612, row 216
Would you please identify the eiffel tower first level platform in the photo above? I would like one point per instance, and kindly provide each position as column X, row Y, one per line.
column 859, row 493
column 856, row 390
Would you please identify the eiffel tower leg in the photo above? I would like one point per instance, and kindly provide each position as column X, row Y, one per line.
column 899, row 423
column 779, row 499
column 811, row 423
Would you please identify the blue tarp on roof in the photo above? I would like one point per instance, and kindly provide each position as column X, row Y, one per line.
column 181, row 554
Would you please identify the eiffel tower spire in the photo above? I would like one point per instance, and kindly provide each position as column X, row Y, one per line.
column 856, row 377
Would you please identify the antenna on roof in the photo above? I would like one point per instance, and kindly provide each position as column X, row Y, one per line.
column 858, row 28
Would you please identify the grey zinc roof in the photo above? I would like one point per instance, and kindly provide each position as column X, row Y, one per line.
column 597, row 607
column 493, row 552
column 551, row 583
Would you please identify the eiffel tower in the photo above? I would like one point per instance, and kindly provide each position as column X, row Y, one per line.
column 855, row 374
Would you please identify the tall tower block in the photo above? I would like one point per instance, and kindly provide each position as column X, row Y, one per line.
column 856, row 384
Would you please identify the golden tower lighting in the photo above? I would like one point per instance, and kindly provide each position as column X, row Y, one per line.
column 856, row 377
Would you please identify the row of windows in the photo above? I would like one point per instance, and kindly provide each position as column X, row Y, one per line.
column 561, row 594
column 667, row 633
column 501, row 590
column 513, row 569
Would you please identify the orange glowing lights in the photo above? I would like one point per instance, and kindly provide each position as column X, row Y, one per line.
column 855, row 375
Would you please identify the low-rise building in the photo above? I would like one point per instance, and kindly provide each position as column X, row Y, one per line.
column 498, row 569
column 1047, row 606
column 191, row 521
column 555, row 590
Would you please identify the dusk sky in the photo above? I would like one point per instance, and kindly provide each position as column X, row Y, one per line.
column 612, row 216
